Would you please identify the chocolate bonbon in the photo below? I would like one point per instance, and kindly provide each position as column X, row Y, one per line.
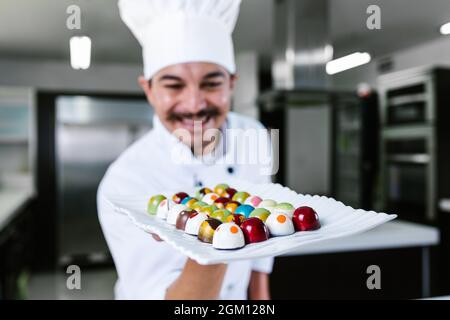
column 207, row 229
column 228, row 236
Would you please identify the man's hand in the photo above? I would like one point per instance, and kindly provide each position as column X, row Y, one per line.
column 197, row 282
column 156, row 237
column 259, row 288
column 203, row 282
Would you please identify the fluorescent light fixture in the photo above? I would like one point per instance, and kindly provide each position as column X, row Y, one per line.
column 445, row 28
column 80, row 52
column 347, row 62
column 329, row 52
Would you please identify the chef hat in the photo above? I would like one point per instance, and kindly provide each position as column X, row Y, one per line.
column 178, row 31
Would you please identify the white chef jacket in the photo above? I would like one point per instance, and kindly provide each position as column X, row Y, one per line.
column 145, row 267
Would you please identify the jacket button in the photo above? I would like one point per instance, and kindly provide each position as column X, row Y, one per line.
column 230, row 170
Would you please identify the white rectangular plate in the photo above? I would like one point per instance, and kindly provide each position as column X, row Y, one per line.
column 337, row 220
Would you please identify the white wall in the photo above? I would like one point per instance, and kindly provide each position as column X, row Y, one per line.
column 58, row 75
column 436, row 52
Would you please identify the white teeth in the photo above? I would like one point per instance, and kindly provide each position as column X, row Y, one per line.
column 190, row 122
column 202, row 119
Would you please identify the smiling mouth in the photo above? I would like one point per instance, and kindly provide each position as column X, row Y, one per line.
column 191, row 120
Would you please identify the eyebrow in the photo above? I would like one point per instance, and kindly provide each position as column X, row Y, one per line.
column 210, row 75
column 169, row 77
column 214, row 74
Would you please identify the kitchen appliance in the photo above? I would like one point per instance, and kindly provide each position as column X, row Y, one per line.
column 415, row 158
column 355, row 148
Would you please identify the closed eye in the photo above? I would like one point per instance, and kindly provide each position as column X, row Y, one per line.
column 211, row 84
column 174, row 86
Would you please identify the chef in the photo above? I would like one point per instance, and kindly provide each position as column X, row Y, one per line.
column 189, row 76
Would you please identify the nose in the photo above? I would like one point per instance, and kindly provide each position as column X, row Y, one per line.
column 194, row 100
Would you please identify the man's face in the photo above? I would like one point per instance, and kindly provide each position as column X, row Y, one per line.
column 188, row 93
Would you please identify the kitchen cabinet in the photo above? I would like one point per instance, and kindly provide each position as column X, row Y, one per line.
column 344, row 275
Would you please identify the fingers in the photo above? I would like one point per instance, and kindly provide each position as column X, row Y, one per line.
column 156, row 237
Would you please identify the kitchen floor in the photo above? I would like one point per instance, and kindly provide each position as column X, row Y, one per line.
column 96, row 284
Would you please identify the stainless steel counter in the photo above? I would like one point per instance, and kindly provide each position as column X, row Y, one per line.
column 394, row 234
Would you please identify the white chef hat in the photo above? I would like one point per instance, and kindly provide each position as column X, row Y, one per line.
column 178, row 31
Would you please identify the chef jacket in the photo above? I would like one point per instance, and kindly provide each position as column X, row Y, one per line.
column 146, row 267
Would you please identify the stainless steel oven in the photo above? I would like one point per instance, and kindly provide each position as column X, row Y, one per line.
column 415, row 132
column 408, row 163
column 415, row 157
column 407, row 105
column 409, row 173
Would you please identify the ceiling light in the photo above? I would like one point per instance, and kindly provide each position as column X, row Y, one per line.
column 347, row 62
column 80, row 52
column 445, row 28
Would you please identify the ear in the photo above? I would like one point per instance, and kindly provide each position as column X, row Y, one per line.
column 233, row 79
column 144, row 84
column 146, row 87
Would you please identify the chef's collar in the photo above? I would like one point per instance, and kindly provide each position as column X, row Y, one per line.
column 171, row 143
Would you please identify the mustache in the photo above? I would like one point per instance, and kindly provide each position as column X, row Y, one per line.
column 208, row 112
